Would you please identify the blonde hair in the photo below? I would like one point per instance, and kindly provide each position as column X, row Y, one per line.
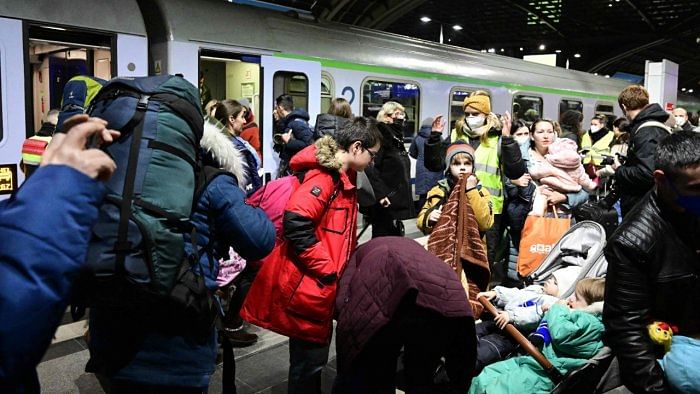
column 591, row 289
column 461, row 156
column 388, row 108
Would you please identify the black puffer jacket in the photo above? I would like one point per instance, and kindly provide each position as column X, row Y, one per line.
column 327, row 124
column 653, row 274
column 634, row 178
column 391, row 174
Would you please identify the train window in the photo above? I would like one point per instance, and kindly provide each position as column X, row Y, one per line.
column 457, row 96
column 327, row 89
column 527, row 108
column 375, row 93
column 607, row 110
column 565, row 105
column 294, row 84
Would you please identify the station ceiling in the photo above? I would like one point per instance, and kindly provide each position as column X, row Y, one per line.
column 609, row 36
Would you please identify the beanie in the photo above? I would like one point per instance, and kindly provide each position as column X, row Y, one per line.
column 479, row 102
column 456, row 148
column 566, row 278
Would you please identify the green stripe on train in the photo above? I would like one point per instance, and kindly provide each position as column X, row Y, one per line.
column 442, row 77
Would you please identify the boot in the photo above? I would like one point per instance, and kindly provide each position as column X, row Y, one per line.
column 239, row 337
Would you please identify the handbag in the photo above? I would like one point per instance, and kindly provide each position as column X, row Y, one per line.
column 539, row 235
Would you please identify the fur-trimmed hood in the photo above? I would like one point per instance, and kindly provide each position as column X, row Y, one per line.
column 321, row 154
column 595, row 309
column 217, row 146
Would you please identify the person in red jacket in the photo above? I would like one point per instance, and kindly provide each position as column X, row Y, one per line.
column 294, row 292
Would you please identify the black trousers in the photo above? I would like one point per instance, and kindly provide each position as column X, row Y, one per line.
column 384, row 224
column 242, row 282
column 497, row 261
column 426, row 337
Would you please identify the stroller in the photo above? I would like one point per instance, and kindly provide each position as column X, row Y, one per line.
column 581, row 247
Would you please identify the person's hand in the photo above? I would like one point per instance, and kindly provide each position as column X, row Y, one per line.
column 489, row 295
column 287, row 136
column 384, row 202
column 507, row 122
column 523, row 181
column 69, row 148
column 471, row 182
column 556, row 198
column 545, row 307
column 434, row 215
column 502, row 319
column 438, row 124
column 616, row 163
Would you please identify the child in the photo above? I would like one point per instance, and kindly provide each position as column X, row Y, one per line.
column 460, row 157
column 571, row 333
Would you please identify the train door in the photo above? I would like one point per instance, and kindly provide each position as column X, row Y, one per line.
column 300, row 79
column 11, row 103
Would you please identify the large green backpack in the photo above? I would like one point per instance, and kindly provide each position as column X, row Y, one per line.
column 137, row 246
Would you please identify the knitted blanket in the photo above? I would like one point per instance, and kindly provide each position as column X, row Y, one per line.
column 455, row 240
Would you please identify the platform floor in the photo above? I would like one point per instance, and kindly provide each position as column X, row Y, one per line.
column 261, row 368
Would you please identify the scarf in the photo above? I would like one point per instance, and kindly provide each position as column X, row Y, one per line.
column 455, row 240
column 462, row 129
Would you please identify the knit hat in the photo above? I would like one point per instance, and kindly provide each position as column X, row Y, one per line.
column 479, row 102
column 566, row 277
column 456, row 148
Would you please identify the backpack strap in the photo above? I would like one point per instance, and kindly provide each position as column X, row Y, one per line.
column 654, row 123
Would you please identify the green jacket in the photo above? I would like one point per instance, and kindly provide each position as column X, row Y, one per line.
column 576, row 337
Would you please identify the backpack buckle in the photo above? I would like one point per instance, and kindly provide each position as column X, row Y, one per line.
column 143, row 102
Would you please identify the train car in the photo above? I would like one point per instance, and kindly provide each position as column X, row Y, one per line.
column 45, row 43
column 242, row 51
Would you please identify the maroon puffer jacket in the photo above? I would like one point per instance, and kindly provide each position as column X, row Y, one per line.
column 377, row 277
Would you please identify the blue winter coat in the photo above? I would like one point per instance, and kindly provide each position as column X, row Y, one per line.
column 44, row 233
column 122, row 346
column 425, row 179
column 302, row 135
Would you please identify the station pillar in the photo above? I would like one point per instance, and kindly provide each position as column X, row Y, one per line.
column 661, row 80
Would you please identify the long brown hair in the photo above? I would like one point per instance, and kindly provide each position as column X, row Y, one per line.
column 340, row 107
column 226, row 109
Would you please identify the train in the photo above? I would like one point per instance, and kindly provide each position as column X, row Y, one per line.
column 239, row 51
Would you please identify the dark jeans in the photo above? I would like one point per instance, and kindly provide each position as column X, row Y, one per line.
column 242, row 282
column 426, row 337
column 306, row 362
column 494, row 238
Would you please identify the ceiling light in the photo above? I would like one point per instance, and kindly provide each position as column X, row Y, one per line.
column 610, row 5
column 542, row 47
column 492, row 50
column 577, row 55
column 682, row 89
column 54, row 28
column 449, row 40
column 457, row 27
column 690, row 90
column 558, row 51
column 483, row 51
column 595, row 73
column 503, row 50
column 425, row 19
column 521, row 49
column 607, row 76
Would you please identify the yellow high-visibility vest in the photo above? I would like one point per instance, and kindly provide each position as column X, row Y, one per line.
column 597, row 150
column 487, row 168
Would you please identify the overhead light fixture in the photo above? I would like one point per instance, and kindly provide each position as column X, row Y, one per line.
column 690, row 90
column 425, row 19
column 682, row 89
column 610, row 5
column 558, row 51
column 542, row 47
column 449, row 40
column 54, row 28
column 492, row 50
column 457, row 27
column 483, row 51
column 503, row 50
column 521, row 49
column 577, row 55
column 595, row 73
column 607, row 76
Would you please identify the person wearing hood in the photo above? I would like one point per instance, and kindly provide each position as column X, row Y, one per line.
column 496, row 155
column 251, row 131
column 294, row 292
column 390, row 176
column 425, row 179
column 634, row 178
column 292, row 131
column 232, row 115
column 133, row 352
column 595, row 144
column 338, row 115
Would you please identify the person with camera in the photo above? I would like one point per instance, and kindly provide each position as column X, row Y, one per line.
column 618, row 149
column 292, row 131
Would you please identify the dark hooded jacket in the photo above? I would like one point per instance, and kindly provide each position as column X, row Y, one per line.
column 634, row 178
column 390, row 175
column 327, row 124
column 379, row 275
column 425, row 179
column 302, row 136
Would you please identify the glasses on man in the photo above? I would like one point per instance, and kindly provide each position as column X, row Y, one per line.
column 372, row 154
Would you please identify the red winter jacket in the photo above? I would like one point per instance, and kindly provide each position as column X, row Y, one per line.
column 294, row 292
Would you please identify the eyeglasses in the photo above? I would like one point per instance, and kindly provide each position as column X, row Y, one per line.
column 372, row 154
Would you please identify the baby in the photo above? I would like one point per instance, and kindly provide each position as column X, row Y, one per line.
column 568, row 175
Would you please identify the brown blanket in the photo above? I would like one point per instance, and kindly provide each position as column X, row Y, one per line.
column 455, row 240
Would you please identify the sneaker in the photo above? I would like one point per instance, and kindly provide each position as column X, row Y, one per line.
column 239, row 337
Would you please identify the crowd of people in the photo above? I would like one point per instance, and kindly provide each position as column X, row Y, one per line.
column 480, row 187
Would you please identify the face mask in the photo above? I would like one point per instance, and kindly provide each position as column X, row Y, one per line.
column 690, row 204
column 475, row 122
column 680, row 121
column 399, row 122
column 522, row 139
column 595, row 129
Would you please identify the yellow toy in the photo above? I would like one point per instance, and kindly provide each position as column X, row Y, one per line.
column 661, row 333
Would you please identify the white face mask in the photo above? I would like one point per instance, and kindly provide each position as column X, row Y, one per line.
column 475, row 122
column 595, row 129
column 522, row 139
column 680, row 121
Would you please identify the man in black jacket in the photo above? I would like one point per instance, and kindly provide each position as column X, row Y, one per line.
column 634, row 178
column 654, row 265
column 292, row 131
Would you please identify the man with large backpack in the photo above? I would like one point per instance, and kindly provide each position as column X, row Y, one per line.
column 168, row 217
column 294, row 292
